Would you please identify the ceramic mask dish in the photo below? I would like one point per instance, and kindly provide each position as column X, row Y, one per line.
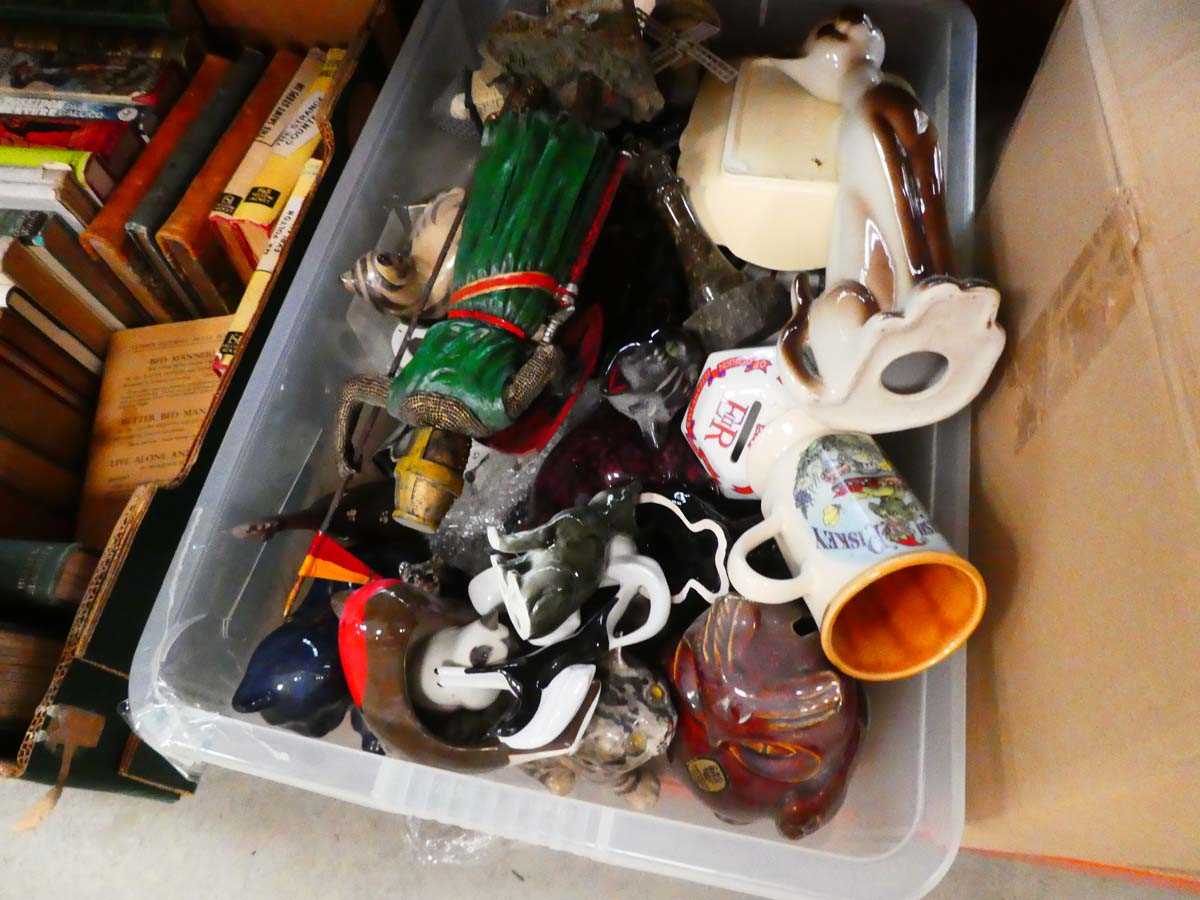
column 895, row 341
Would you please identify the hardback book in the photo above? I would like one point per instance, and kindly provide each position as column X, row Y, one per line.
column 47, row 190
column 17, row 332
column 27, row 366
column 250, row 307
column 188, row 237
column 59, row 249
column 23, row 517
column 47, row 574
column 79, row 313
column 89, row 85
column 157, row 390
column 27, row 663
column 19, row 316
column 185, row 162
column 226, row 205
column 273, row 184
column 148, row 15
column 117, row 144
column 47, row 483
column 106, row 238
column 40, row 420
column 89, row 171
column 99, row 46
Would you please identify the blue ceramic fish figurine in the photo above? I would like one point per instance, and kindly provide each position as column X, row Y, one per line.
column 294, row 677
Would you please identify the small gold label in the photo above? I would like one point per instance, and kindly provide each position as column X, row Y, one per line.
column 708, row 774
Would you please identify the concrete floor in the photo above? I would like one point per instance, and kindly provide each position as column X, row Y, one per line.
column 245, row 838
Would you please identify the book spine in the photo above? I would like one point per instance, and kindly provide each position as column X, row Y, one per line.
column 62, row 245
column 243, row 177
column 289, row 153
column 50, row 484
column 30, row 570
column 28, row 367
column 17, row 301
column 162, row 269
column 89, row 173
column 21, row 517
column 145, row 118
column 260, row 281
column 22, row 223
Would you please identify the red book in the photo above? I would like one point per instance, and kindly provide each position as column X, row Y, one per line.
column 118, row 143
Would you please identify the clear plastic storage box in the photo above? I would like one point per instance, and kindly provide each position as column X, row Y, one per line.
column 899, row 828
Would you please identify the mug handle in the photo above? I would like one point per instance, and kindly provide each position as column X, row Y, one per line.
column 638, row 574
column 758, row 587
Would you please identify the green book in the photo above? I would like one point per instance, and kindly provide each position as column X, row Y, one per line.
column 155, row 15
column 43, row 574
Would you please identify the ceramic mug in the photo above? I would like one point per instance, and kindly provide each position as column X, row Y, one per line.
column 890, row 595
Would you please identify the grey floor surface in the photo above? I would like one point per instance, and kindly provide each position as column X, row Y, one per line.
column 245, row 838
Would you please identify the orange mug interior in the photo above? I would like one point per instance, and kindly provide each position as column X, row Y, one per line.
column 903, row 616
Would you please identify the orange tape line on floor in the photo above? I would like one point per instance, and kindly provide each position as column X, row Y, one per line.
column 1146, row 876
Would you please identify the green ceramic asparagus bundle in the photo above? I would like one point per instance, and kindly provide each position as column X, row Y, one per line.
column 541, row 187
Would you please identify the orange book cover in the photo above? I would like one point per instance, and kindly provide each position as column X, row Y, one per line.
column 41, row 420
column 22, row 335
column 106, row 237
column 90, row 323
column 188, row 238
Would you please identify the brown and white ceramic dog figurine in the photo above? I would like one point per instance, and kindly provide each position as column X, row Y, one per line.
column 892, row 289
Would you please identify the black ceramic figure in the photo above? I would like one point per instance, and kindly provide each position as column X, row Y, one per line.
column 689, row 539
column 651, row 380
column 529, row 675
column 294, row 677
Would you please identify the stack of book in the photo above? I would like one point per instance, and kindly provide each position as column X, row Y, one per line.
column 141, row 181
column 149, row 184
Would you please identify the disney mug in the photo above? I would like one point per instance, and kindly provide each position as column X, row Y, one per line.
column 889, row 594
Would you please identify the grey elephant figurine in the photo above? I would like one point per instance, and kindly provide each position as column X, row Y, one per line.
column 634, row 722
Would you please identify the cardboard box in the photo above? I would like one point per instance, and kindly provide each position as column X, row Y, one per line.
column 1083, row 704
